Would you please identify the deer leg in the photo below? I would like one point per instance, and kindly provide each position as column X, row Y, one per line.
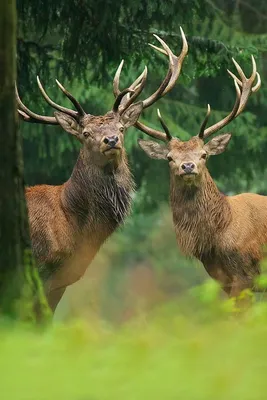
column 217, row 273
column 237, row 286
column 54, row 297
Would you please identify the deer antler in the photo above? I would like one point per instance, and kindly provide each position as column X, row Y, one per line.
column 123, row 98
column 242, row 95
column 164, row 126
column 119, row 98
column 175, row 64
column 136, row 88
column 29, row 116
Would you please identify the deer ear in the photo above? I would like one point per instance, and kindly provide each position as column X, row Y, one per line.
column 154, row 150
column 130, row 116
column 218, row 144
column 68, row 123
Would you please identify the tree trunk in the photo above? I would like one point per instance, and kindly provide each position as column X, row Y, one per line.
column 19, row 282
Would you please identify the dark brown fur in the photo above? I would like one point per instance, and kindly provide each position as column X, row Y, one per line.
column 69, row 223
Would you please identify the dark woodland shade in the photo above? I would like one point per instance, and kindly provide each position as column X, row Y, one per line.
column 19, row 282
column 211, row 48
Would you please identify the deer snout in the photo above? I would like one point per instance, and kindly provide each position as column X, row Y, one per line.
column 111, row 141
column 188, row 168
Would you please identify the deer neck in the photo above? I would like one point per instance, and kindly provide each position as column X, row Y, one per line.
column 200, row 214
column 98, row 198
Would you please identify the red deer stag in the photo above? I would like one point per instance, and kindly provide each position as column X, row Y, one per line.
column 226, row 233
column 69, row 223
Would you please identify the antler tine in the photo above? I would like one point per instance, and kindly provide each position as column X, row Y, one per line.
column 204, row 123
column 159, row 92
column 258, row 84
column 72, row 99
column 116, row 80
column 164, row 126
column 235, row 78
column 242, row 95
column 24, row 116
column 239, row 70
column 137, row 89
column 184, row 48
column 214, row 128
column 178, row 62
column 175, row 65
column 154, row 133
column 53, row 104
column 120, row 97
column 247, row 83
column 140, row 79
column 30, row 116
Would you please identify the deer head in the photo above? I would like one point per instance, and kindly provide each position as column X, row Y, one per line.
column 103, row 136
column 187, row 159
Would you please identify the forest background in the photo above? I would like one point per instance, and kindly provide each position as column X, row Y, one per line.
column 81, row 43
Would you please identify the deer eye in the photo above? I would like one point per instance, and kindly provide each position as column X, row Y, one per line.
column 86, row 134
column 121, row 129
column 204, row 156
column 169, row 158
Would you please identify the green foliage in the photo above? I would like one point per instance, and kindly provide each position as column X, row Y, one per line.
column 67, row 40
column 32, row 305
column 173, row 352
column 104, row 31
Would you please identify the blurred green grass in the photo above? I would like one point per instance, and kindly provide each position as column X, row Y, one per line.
column 195, row 348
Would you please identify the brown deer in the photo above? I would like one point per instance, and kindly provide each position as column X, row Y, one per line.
column 69, row 223
column 226, row 233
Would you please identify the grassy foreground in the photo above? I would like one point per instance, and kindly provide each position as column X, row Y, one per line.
column 194, row 349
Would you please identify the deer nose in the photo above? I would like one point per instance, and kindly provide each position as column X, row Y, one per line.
column 188, row 167
column 111, row 140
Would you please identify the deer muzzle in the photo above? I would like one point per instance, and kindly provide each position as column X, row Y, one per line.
column 188, row 169
column 111, row 145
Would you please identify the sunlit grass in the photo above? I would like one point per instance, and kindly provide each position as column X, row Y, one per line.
column 196, row 348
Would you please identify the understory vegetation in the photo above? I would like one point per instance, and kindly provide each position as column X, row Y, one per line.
column 194, row 348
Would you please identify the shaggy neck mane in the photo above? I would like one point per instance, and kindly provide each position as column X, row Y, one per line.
column 200, row 213
column 98, row 197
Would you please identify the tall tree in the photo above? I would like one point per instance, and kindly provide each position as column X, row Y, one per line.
column 20, row 291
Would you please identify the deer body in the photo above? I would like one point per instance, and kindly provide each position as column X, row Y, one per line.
column 225, row 233
column 69, row 223
column 79, row 216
